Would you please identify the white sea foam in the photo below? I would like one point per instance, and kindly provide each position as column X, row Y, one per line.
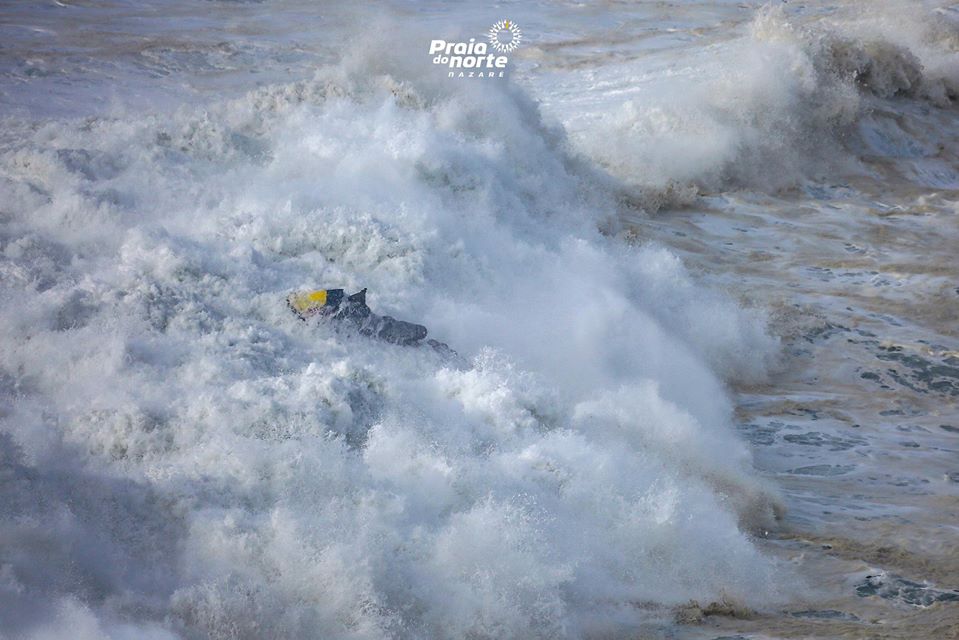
column 776, row 105
column 183, row 458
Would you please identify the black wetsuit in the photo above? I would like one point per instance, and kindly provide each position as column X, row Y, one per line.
column 353, row 310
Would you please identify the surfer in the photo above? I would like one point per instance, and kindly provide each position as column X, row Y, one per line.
column 353, row 311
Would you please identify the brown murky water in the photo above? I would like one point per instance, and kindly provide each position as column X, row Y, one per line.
column 852, row 252
column 859, row 426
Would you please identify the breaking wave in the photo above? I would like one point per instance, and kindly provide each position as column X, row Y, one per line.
column 780, row 104
column 183, row 458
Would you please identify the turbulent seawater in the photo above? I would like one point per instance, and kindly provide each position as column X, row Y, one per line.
column 698, row 261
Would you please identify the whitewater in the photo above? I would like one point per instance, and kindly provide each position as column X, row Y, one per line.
column 697, row 262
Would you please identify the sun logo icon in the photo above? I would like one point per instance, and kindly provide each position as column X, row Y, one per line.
column 505, row 36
